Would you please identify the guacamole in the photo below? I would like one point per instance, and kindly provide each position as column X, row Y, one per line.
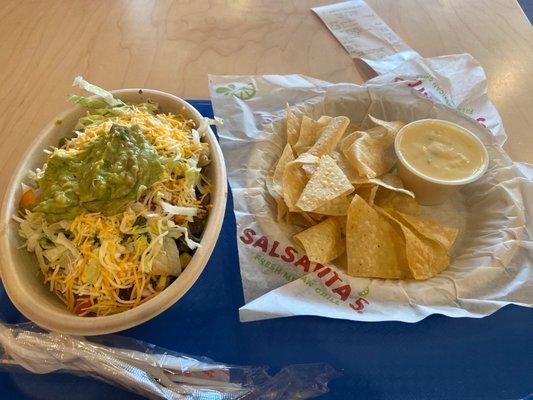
column 102, row 175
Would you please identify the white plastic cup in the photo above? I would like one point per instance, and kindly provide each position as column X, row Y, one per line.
column 428, row 190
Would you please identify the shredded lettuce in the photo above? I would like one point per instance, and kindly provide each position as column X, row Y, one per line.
column 151, row 252
column 167, row 261
column 31, row 229
column 195, row 136
column 99, row 109
column 192, row 177
column 54, row 253
column 151, row 107
column 104, row 94
column 89, row 119
column 40, row 258
column 62, row 240
column 205, row 122
column 201, row 187
column 107, row 112
column 86, row 101
column 91, row 272
column 190, row 243
column 176, row 210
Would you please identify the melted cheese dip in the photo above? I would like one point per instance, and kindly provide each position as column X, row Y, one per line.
column 440, row 151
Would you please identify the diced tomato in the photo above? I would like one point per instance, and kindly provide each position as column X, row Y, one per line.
column 83, row 304
column 28, row 199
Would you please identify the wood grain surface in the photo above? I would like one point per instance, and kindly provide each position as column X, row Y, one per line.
column 173, row 45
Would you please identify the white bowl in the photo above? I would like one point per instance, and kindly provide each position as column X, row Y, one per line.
column 428, row 190
column 19, row 268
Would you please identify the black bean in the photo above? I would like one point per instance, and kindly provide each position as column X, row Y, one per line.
column 182, row 246
column 139, row 221
column 125, row 294
column 196, row 227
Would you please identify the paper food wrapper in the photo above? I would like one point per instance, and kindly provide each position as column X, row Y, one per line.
column 493, row 256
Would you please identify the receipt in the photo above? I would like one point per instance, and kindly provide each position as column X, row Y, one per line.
column 365, row 35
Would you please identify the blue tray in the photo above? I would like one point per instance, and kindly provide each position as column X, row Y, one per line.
column 437, row 358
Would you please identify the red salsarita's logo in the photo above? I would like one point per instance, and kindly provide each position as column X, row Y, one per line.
column 290, row 255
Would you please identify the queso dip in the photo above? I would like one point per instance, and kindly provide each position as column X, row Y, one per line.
column 441, row 151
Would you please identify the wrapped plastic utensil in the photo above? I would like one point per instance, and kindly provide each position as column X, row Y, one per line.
column 151, row 371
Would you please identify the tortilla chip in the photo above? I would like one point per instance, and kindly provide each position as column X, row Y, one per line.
column 316, row 217
column 308, row 162
column 277, row 179
column 396, row 200
column 352, row 127
column 341, row 219
column 322, row 242
column 300, row 219
column 309, row 169
column 307, row 135
column 392, row 182
column 294, row 181
column 270, row 185
column 348, row 140
column 422, row 257
column 310, row 131
column 330, row 136
column 392, row 127
column 337, row 206
column 282, row 209
column 342, row 163
column 426, row 257
column 347, row 168
column 327, row 183
column 341, row 261
column 369, row 154
column 323, row 121
column 293, row 126
column 307, row 158
column 432, row 230
column 375, row 249
column 367, row 193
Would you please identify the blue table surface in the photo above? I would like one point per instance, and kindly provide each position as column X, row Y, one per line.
column 437, row 358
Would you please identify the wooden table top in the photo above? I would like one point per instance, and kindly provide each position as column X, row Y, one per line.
column 173, row 45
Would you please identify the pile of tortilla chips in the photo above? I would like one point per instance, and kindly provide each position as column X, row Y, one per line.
column 336, row 182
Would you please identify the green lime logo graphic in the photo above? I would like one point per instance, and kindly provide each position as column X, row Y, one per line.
column 364, row 292
column 243, row 92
